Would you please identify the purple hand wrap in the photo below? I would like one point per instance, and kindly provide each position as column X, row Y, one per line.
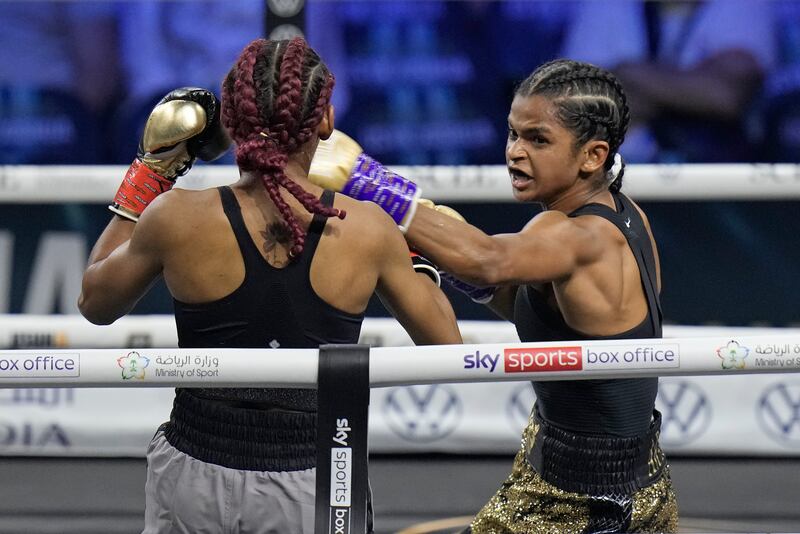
column 371, row 181
column 481, row 295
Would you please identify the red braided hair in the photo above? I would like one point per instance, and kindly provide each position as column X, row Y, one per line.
column 273, row 100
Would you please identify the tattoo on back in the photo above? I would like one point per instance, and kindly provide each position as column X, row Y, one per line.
column 277, row 233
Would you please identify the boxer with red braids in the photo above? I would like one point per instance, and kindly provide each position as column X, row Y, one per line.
column 271, row 261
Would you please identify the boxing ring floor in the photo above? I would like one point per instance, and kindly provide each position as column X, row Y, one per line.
column 106, row 495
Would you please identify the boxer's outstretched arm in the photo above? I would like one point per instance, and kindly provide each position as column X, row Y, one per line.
column 548, row 248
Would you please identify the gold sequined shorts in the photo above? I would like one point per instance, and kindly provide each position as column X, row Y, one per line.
column 527, row 504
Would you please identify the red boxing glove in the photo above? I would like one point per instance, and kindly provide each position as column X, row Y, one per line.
column 139, row 187
column 183, row 126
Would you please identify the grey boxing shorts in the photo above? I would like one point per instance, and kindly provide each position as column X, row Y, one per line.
column 187, row 496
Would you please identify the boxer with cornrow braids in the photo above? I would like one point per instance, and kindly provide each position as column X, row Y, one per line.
column 585, row 268
column 272, row 100
column 591, row 103
column 270, row 261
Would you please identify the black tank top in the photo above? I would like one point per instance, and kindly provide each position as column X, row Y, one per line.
column 620, row 407
column 273, row 307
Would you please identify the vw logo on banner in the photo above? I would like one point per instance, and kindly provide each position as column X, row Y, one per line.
column 685, row 411
column 519, row 405
column 422, row 414
column 779, row 412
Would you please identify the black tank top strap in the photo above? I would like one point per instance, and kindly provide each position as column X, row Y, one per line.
column 318, row 222
column 316, row 227
column 630, row 223
column 234, row 213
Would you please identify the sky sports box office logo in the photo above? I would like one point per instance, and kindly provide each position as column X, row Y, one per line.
column 576, row 358
column 33, row 365
column 341, row 479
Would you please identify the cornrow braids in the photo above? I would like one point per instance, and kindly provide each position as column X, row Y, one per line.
column 288, row 103
column 273, row 100
column 591, row 103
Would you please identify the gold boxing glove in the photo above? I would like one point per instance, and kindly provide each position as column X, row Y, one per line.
column 340, row 164
column 183, row 126
column 334, row 160
column 441, row 208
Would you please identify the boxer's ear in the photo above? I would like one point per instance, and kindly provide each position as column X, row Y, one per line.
column 326, row 125
column 594, row 154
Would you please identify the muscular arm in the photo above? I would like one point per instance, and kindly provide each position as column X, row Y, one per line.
column 413, row 299
column 550, row 247
column 123, row 265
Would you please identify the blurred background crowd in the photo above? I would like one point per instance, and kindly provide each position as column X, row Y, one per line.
column 423, row 82
column 429, row 82
column 418, row 82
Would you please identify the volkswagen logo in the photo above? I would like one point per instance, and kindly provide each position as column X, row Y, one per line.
column 779, row 412
column 685, row 411
column 422, row 414
column 520, row 404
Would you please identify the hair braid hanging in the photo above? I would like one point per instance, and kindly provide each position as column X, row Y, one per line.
column 265, row 98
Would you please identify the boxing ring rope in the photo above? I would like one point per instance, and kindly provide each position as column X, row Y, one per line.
column 344, row 374
column 392, row 366
column 703, row 415
column 486, row 183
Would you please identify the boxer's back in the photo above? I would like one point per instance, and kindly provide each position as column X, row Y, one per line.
column 203, row 261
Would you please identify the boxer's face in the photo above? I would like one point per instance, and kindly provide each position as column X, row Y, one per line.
column 542, row 159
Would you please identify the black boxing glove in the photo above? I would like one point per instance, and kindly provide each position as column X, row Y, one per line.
column 425, row 266
column 183, row 126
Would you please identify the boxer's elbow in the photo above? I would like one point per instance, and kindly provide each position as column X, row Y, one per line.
column 92, row 312
column 94, row 305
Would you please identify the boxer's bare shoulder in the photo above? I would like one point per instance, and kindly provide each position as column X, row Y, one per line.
column 177, row 215
column 366, row 225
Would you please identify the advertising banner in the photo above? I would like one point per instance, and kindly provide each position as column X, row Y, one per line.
column 736, row 415
column 702, row 415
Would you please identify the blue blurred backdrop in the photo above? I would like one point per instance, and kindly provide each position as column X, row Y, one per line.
column 429, row 82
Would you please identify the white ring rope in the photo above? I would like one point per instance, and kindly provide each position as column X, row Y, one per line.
column 391, row 366
column 487, row 183
column 743, row 416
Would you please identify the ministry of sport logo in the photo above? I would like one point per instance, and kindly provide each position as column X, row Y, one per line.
column 779, row 412
column 685, row 410
column 733, row 355
column 133, row 365
column 422, row 414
